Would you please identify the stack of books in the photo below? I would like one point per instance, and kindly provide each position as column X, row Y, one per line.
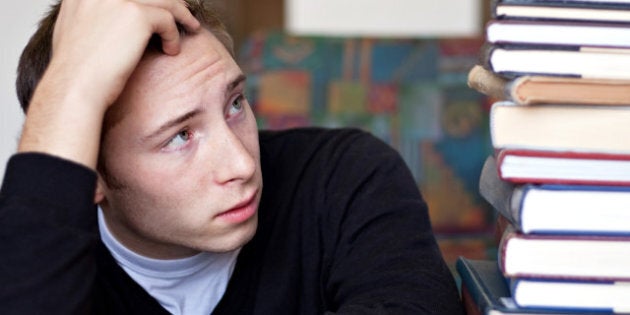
column 560, row 174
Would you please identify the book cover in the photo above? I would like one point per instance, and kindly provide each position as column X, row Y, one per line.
column 558, row 33
column 473, row 246
column 498, row 193
column 609, row 11
column 560, row 128
column 569, row 257
column 484, row 290
column 562, row 90
column 512, row 61
column 557, row 209
column 596, row 3
column 563, row 167
column 568, row 3
column 528, row 90
column 596, row 296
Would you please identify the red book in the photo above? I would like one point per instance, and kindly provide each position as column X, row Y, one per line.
column 563, row 167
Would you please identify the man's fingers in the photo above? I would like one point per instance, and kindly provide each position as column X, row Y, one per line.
column 163, row 25
column 179, row 10
column 185, row 17
column 163, row 15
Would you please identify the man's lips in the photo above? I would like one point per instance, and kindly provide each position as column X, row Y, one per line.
column 241, row 211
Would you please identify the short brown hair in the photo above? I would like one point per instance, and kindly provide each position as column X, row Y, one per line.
column 38, row 51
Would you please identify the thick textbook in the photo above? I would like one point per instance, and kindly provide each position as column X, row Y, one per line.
column 574, row 257
column 560, row 128
column 526, row 90
column 554, row 167
column 485, row 290
column 602, row 296
column 558, row 33
column 594, row 11
column 557, row 209
column 570, row 3
column 512, row 61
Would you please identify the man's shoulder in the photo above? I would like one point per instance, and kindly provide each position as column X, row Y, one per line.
column 317, row 138
column 306, row 133
column 332, row 149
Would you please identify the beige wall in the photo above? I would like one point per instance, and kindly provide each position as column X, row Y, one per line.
column 17, row 22
column 245, row 16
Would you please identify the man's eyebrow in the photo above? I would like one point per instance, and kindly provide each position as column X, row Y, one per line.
column 178, row 120
column 232, row 85
column 172, row 123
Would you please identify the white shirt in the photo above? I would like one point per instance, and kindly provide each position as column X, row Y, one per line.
column 192, row 285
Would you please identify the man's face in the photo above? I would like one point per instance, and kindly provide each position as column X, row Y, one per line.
column 184, row 155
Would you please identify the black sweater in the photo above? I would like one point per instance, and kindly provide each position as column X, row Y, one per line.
column 342, row 229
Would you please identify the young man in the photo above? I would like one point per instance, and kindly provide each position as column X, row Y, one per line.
column 138, row 185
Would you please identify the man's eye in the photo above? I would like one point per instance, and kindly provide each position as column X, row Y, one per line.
column 179, row 140
column 236, row 106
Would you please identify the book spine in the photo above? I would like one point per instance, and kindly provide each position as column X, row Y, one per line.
column 485, row 56
column 508, row 234
column 568, row 3
column 512, row 91
column 498, row 193
column 516, row 205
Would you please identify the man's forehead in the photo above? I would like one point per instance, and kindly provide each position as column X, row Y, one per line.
column 200, row 53
column 193, row 47
column 202, row 70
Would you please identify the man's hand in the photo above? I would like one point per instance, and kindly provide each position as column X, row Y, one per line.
column 96, row 46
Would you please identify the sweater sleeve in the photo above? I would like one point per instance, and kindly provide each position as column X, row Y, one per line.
column 47, row 236
column 386, row 259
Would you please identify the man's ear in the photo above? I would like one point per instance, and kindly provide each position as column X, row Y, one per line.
column 99, row 193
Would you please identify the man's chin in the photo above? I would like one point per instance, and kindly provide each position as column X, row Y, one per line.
column 236, row 239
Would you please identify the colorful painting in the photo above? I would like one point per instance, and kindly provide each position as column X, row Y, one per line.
column 410, row 93
column 283, row 93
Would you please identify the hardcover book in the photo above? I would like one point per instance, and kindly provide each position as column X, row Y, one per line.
column 485, row 290
column 586, row 3
column 557, row 209
column 512, row 61
column 601, row 296
column 560, row 128
column 602, row 11
column 555, row 167
column 558, row 33
column 527, row 90
column 569, row 257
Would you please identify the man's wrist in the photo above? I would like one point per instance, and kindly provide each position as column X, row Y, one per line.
column 64, row 122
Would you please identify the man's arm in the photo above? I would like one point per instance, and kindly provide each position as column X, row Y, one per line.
column 47, row 214
column 47, row 223
column 386, row 257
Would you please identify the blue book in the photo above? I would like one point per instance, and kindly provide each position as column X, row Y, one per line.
column 485, row 291
column 603, row 296
column 557, row 209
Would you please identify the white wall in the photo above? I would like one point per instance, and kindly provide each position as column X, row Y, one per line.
column 397, row 18
column 18, row 20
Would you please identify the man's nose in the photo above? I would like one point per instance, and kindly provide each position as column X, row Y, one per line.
column 233, row 160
